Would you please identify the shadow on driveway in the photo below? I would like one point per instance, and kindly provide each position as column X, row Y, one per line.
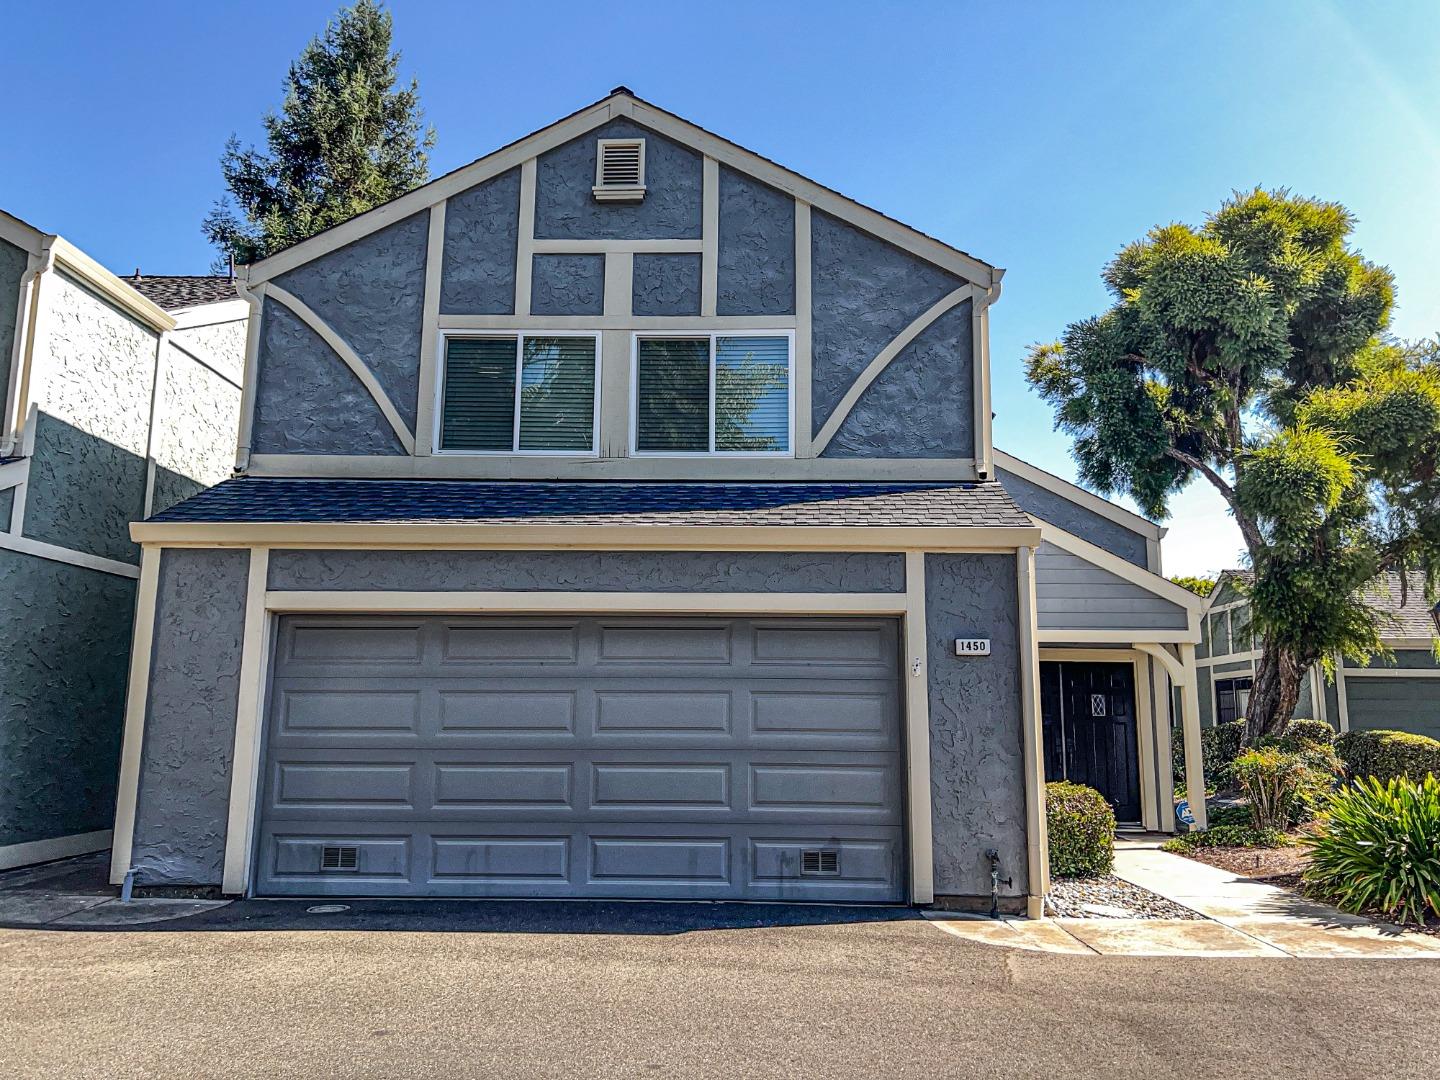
column 76, row 895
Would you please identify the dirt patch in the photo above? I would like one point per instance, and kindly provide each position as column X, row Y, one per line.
column 1274, row 866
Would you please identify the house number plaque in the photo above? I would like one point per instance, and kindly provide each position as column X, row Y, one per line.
column 972, row 646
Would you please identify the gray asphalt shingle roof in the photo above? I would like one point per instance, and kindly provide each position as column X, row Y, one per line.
column 175, row 291
column 254, row 500
column 1412, row 618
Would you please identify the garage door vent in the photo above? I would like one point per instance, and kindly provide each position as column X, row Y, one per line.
column 820, row 861
column 339, row 858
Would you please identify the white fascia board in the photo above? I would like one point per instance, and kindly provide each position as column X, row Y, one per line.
column 1076, row 494
column 661, row 122
column 21, row 234
column 222, row 311
column 585, row 537
column 75, row 262
column 1161, row 587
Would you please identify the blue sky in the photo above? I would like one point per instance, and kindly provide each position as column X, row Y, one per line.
column 1039, row 137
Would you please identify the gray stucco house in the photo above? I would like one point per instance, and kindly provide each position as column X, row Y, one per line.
column 617, row 516
column 121, row 398
column 1399, row 694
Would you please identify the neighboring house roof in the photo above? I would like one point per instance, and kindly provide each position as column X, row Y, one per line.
column 174, row 292
column 1400, row 617
column 623, row 102
column 501, row 502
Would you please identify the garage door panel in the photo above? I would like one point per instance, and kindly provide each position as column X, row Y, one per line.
column 701, row 758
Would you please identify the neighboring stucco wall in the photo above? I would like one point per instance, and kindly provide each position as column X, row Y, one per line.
column 568, row 285
column 13, row 261
column 755, row 273
column 482, row 226
column 220, row 345
column 864, row 293
column 184, row 793
column 65, row 644
column 1075, row 519
column 566, row 208
column 587, row 571
column 928, row 385
column 372, row 294
column 976, row 740
column 666, row 284
column 84, row 491
column 196, row 414
column 307, row 401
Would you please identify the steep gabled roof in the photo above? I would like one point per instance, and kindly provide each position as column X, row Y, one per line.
column 175, row 292
column 1402, row 612
column 621, row 102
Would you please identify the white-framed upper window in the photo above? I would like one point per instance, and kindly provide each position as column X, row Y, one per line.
column 620, row 170
column 726, row 394
column 524, row 392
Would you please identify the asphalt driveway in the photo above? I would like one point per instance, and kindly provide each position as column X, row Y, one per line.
column 250, row 991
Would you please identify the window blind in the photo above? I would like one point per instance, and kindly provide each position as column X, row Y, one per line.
column 672, row 394
column 752, row 394
column 478, row 407
column 557, row 394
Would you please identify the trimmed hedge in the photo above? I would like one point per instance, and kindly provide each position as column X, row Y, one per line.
column 1300, row 732
column 1082, row 830
column 1387, row 754
column 1220, row 745
column 1242, row 836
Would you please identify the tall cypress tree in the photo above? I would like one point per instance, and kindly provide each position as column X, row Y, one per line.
column 345, row 140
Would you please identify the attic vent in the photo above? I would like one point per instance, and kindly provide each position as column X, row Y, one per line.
column 820, row 861
column 620, row 170
column 339, row 858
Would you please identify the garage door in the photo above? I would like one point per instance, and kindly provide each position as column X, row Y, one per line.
column 696, row 758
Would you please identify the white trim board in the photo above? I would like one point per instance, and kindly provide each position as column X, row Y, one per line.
column 137, row 693
column 616, row 105
column 41, row 550
column 58, row 847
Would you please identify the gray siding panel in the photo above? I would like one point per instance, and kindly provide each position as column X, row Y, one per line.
column 592, row 571
column 929, row 385
column 184, row 794
column 666, row 284
column 977, row 775
column 1073, row 594
column 307, row 401
column 1076, row 519
column 566, row 209
column 372, row 293
column 65, row 639
column 568, row 285
column 482, row 227
column 755, row 271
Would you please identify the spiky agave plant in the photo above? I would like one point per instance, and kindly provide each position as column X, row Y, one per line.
column 1378, row 848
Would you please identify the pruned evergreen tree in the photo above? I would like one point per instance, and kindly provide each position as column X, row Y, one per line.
column 347, row 138
column 1251, row 353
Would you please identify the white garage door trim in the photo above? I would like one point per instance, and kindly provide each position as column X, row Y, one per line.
column 262, row 607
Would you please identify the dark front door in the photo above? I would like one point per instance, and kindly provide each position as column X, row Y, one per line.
column 1090, row 738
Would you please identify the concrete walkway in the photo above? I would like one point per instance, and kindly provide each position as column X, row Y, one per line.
column 1242, row 918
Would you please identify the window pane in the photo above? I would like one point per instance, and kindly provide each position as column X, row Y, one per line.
column 478, row 412
column 672, row 394
column 557, row 394
column 752, row 393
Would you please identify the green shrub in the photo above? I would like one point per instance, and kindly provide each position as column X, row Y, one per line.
column 1219, row 745
column 1378, row 848
column 1386, row 754
column 1246, row 836
column 1299, row 733
column 1272, row 780
column 1082, row 830
column 1238, row 814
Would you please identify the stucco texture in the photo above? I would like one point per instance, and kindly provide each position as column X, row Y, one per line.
column 482, row 226
column 197, row 412
column 565, row 204
column 567, row 285
column 595, row 571
column 755, row 269
column 976, row 754
column 1075, row 519
column 372, row 293
column 929, row 385
column 864, row 292
column 65, row 637
column 220, row 345
column 84, row 491
column 307, row 401
column 12, row 268
column 184, row 794
column 666, row 284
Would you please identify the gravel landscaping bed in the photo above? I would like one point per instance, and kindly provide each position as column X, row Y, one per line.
column 1109, row 897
